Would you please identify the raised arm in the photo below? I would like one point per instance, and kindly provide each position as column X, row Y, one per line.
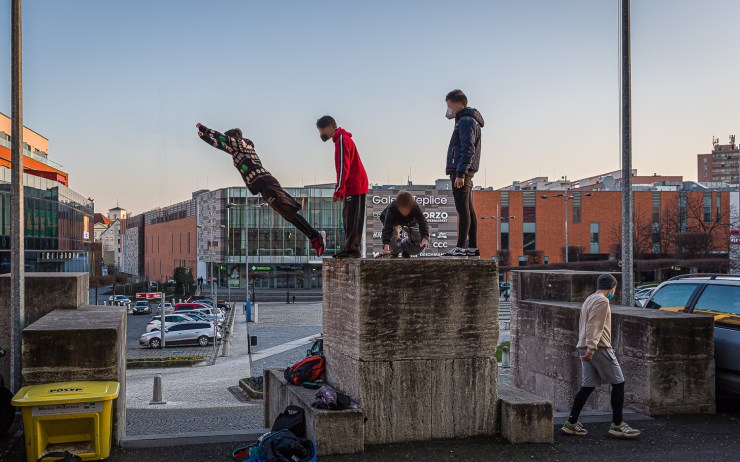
column 218, row 140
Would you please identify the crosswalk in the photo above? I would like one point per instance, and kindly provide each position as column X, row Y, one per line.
column 504, row 315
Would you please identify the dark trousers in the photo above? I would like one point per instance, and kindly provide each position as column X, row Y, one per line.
column 353, row 220
column 617, row 402
column 285, row 205
column 467, row 221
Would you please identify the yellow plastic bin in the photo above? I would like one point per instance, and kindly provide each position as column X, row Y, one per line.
column 68, row 416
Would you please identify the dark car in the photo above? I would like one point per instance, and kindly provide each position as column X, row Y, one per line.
column 718, row 295
column 141, row 307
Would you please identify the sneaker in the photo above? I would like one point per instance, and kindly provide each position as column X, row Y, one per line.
column 623, row 431
column 574, row 429
column 472, row 252
column 405, row 255
column 318, row 244
column 342, row 254
column 456, row 252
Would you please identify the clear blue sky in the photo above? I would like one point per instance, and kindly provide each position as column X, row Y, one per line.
column 117, row 87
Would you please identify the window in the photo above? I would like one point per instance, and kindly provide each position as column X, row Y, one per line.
column 672, row 296
column 594, row 238
column 719, row 206
column 576, row 207
column 721, row 301
column 178, row 328
column 707, row 207
column 530, row 236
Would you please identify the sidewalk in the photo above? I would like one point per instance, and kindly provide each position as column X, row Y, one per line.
column 198, row 398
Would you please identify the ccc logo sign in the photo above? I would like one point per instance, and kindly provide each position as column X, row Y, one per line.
column 439, row 245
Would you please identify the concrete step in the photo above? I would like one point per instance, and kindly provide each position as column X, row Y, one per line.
column 333, row 432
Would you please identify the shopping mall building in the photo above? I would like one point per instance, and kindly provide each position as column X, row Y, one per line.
column 58, row 221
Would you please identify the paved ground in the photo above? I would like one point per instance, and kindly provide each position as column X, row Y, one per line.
column 198, row 398
column 676, row 439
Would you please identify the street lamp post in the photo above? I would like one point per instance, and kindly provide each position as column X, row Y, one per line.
column 230, row 205
column 566, row 197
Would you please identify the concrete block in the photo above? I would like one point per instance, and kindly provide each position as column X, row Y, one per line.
column 334, row 432
column 88, row 343
column 45, row 292
column 525, row 417
column 559, row 285
column 406, row 309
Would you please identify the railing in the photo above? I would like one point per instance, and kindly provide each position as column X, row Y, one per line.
column 32, row 155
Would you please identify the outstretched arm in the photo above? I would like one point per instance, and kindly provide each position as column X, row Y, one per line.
column 218, row 140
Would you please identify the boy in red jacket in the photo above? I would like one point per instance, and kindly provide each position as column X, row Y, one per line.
column 351, row 185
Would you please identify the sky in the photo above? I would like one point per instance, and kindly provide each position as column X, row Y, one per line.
column 118, row 87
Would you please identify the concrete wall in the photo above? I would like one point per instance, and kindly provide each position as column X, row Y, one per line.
column 414, row 341
column 559, row 285
column 88, row 343
column 44, row 293
column 667, row 358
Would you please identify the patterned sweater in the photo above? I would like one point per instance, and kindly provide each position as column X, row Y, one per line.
column 242, row 151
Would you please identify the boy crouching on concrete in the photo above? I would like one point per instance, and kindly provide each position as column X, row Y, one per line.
column 404, row 214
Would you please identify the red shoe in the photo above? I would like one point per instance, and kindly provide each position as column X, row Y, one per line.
column 318, row 245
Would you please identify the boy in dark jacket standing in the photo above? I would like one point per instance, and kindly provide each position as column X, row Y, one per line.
column 404, row 213
column 463, row 158
column 351, row 187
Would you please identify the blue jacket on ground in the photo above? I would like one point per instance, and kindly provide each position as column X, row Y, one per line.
column 463, row 155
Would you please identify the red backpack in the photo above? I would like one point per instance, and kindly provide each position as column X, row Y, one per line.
column 309, row 369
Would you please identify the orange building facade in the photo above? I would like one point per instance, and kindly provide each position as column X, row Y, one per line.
column 537, row 227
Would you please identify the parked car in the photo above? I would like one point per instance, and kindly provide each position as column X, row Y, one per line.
column 643, row 295
column 184, row 333
column 224, row 306
column 208, row 313
column 142, row 307
column 119, row 300
column 189, row 306
column 718, row 295
column 167, row 308
column 169, row 321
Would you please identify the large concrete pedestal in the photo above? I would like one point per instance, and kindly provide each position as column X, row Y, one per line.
column 414, row 341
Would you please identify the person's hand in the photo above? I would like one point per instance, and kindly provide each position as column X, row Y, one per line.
column 199, row 126
column 386, row 251
column 459, row 182
column 424, row 243
column 587, row 357
column 337, row 197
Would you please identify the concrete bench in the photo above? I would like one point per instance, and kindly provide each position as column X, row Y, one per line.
column 525, row 417
column 334, row 432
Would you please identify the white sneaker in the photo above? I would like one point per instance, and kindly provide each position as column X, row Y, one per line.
column 456, row 252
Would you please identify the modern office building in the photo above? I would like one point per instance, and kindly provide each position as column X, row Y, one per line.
column 58, row 221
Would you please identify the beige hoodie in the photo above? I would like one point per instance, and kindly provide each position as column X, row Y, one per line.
column 595, row 325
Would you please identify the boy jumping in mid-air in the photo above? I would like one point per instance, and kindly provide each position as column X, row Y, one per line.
column 260, row 181
column 404, row 213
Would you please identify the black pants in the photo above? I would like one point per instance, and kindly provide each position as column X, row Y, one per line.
column 617, row 402
column 353, row 220
column 285, row 205
column 467, row 221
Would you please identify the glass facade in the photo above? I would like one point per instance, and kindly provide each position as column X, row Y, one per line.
column 279, row 256
column 58, row 226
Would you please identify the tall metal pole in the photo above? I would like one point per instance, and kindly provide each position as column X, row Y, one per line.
column 628, row 294
column 17, row 260
column 567, row 245
column 498, row 227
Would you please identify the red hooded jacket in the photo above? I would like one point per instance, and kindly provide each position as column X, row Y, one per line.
column 351, row 176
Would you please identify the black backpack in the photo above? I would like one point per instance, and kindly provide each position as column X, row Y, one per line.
column 293, row 419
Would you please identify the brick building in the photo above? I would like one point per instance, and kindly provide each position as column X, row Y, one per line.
column 169, row 241
column 537, row 231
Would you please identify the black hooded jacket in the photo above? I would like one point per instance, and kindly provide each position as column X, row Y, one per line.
column 391, row 217
column 463, row 154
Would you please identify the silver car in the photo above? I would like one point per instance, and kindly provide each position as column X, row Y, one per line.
column 718, row 295
column 184, row 333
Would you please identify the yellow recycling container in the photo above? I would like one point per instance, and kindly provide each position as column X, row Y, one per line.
column 68, row 416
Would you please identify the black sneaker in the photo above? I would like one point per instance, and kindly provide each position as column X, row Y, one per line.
column 456, row 252
column 342, row 254
column 472, row 252
column 405, row 255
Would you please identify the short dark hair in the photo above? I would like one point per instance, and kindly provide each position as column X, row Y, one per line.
column 234, row 133
column 326, row 121
column 405, row 199
column 457, row 96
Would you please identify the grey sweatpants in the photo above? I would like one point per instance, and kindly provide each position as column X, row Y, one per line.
column 603, row 368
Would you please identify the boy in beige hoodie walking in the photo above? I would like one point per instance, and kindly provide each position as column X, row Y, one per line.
column 598, row 362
